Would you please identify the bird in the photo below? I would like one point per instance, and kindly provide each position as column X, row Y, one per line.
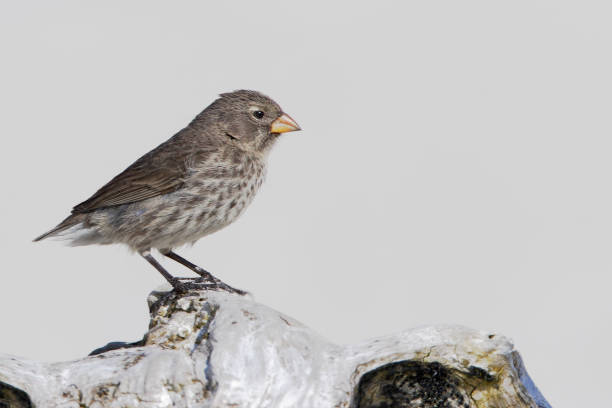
column 192, row 185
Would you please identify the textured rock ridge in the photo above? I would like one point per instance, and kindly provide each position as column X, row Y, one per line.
column 215, row 349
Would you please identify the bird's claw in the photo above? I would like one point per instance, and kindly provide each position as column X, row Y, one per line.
column 183, row 285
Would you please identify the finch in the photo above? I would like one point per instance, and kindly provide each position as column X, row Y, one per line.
column 195, row 183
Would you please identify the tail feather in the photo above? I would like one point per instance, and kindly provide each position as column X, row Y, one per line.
column 70, row 221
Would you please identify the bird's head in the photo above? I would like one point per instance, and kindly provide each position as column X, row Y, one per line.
column 248, row 119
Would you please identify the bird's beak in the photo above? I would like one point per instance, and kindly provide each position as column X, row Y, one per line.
column 284, row 124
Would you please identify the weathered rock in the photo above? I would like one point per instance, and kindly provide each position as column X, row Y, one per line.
column 214, row 349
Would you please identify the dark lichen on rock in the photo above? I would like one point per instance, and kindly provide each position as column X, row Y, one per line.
column 417, row 384
column 13, row 397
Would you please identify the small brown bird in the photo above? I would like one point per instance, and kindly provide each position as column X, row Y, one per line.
column 197, row 182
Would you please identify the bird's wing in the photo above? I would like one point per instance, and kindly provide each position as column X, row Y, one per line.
column 158, row 172
column 135, row 183
column 128, row 187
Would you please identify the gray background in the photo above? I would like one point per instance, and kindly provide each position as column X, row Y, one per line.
column 454, row 168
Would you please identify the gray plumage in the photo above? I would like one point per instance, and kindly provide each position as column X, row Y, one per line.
column 195, row 183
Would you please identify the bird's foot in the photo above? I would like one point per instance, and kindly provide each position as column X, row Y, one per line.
column 206, row 276
column 230, row 289
column 206, row 280
column 183, row 285
column 210, row 278
column 179, row 287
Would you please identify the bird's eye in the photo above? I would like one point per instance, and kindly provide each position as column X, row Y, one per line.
column 258, row 114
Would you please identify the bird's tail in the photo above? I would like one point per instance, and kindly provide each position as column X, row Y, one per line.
column 70, row 221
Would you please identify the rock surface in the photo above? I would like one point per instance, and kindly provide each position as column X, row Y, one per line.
column 215, row 349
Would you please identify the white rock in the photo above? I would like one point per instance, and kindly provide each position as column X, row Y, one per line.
column 214, row 349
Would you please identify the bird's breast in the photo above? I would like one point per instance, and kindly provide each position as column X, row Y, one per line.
column 220, row 191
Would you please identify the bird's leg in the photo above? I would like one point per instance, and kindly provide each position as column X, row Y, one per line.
column 200, row 271
column 176, row 284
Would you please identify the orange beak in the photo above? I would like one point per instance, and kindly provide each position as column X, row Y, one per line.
column 284, row 124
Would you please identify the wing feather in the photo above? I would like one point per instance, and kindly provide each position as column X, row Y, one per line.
column 132, row 185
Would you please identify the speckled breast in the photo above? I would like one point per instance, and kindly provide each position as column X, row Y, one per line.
column 221, row 191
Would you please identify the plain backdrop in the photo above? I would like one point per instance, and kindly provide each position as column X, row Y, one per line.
column 454, row 167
